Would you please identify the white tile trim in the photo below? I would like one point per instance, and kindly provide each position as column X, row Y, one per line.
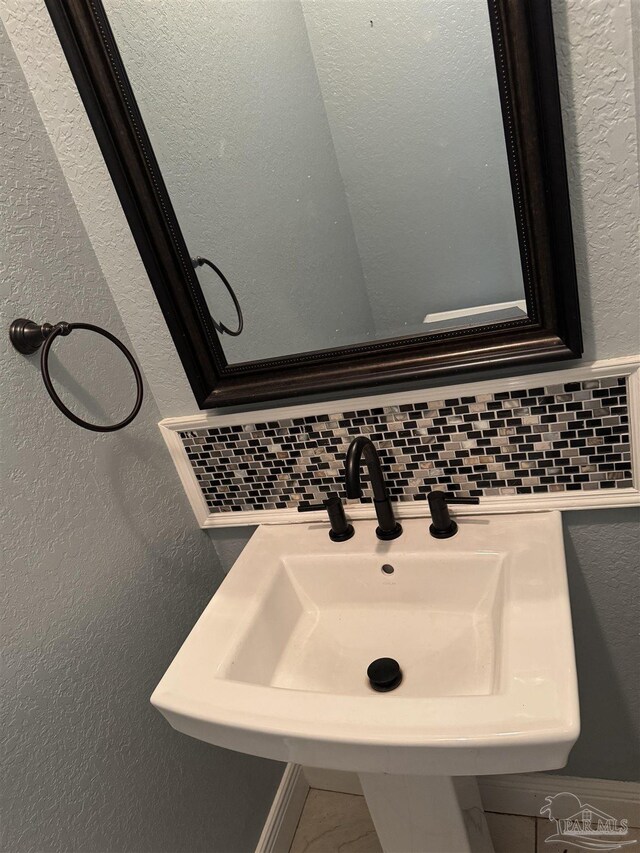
column 628, row 366
column 185, row 472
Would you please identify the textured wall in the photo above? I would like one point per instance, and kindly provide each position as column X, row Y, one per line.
column 597, row 87
column 599, row 97
column 600, row 101
column 38, row 50
column 104, row 571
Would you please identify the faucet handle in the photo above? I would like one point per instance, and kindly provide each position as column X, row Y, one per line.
column 341, row 530
column 313, row 507
column 442, row 525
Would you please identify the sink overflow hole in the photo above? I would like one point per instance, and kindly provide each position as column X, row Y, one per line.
column 387, row 569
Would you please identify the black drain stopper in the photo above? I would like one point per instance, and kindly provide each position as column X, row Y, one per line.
column 384, row 674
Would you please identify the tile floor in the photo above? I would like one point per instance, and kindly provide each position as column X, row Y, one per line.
column 340, row 823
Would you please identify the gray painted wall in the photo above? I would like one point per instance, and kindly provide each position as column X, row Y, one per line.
column 603, row 561
column 598, row 42
column 596, row 71
column 104, row 571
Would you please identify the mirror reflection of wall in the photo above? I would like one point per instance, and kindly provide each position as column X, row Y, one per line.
column 342, row 161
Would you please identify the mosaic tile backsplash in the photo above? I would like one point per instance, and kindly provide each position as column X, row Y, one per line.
column 558, row 438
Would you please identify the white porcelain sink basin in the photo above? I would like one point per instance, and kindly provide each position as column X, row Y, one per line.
column 441, row 621
column 479, row 623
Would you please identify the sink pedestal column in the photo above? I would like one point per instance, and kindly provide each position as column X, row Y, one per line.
column 427, row 814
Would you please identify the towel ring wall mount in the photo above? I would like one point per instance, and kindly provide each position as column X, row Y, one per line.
column 29, row 337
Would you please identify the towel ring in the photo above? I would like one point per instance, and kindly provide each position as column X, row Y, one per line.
column 220, row 327
column 27, row 337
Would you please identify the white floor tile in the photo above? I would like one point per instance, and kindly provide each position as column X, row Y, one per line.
column 335, row 823
column 341, row 823
column 512, row 833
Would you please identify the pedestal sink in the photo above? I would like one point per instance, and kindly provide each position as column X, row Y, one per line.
column 479, row 624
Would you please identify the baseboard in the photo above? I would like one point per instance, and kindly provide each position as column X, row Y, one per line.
column 284, row 814
column 525, row 794
column 520, row 794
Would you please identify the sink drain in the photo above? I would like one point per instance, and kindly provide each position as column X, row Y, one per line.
column 384, row 674
column 387, row 569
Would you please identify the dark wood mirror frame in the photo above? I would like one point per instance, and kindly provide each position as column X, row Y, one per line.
column 524, row 47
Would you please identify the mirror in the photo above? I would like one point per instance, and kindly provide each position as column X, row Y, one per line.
column 336, row 193
column 343, row 162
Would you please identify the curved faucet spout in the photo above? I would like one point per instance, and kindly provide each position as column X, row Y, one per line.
column 388, row 527
column 358, row 448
